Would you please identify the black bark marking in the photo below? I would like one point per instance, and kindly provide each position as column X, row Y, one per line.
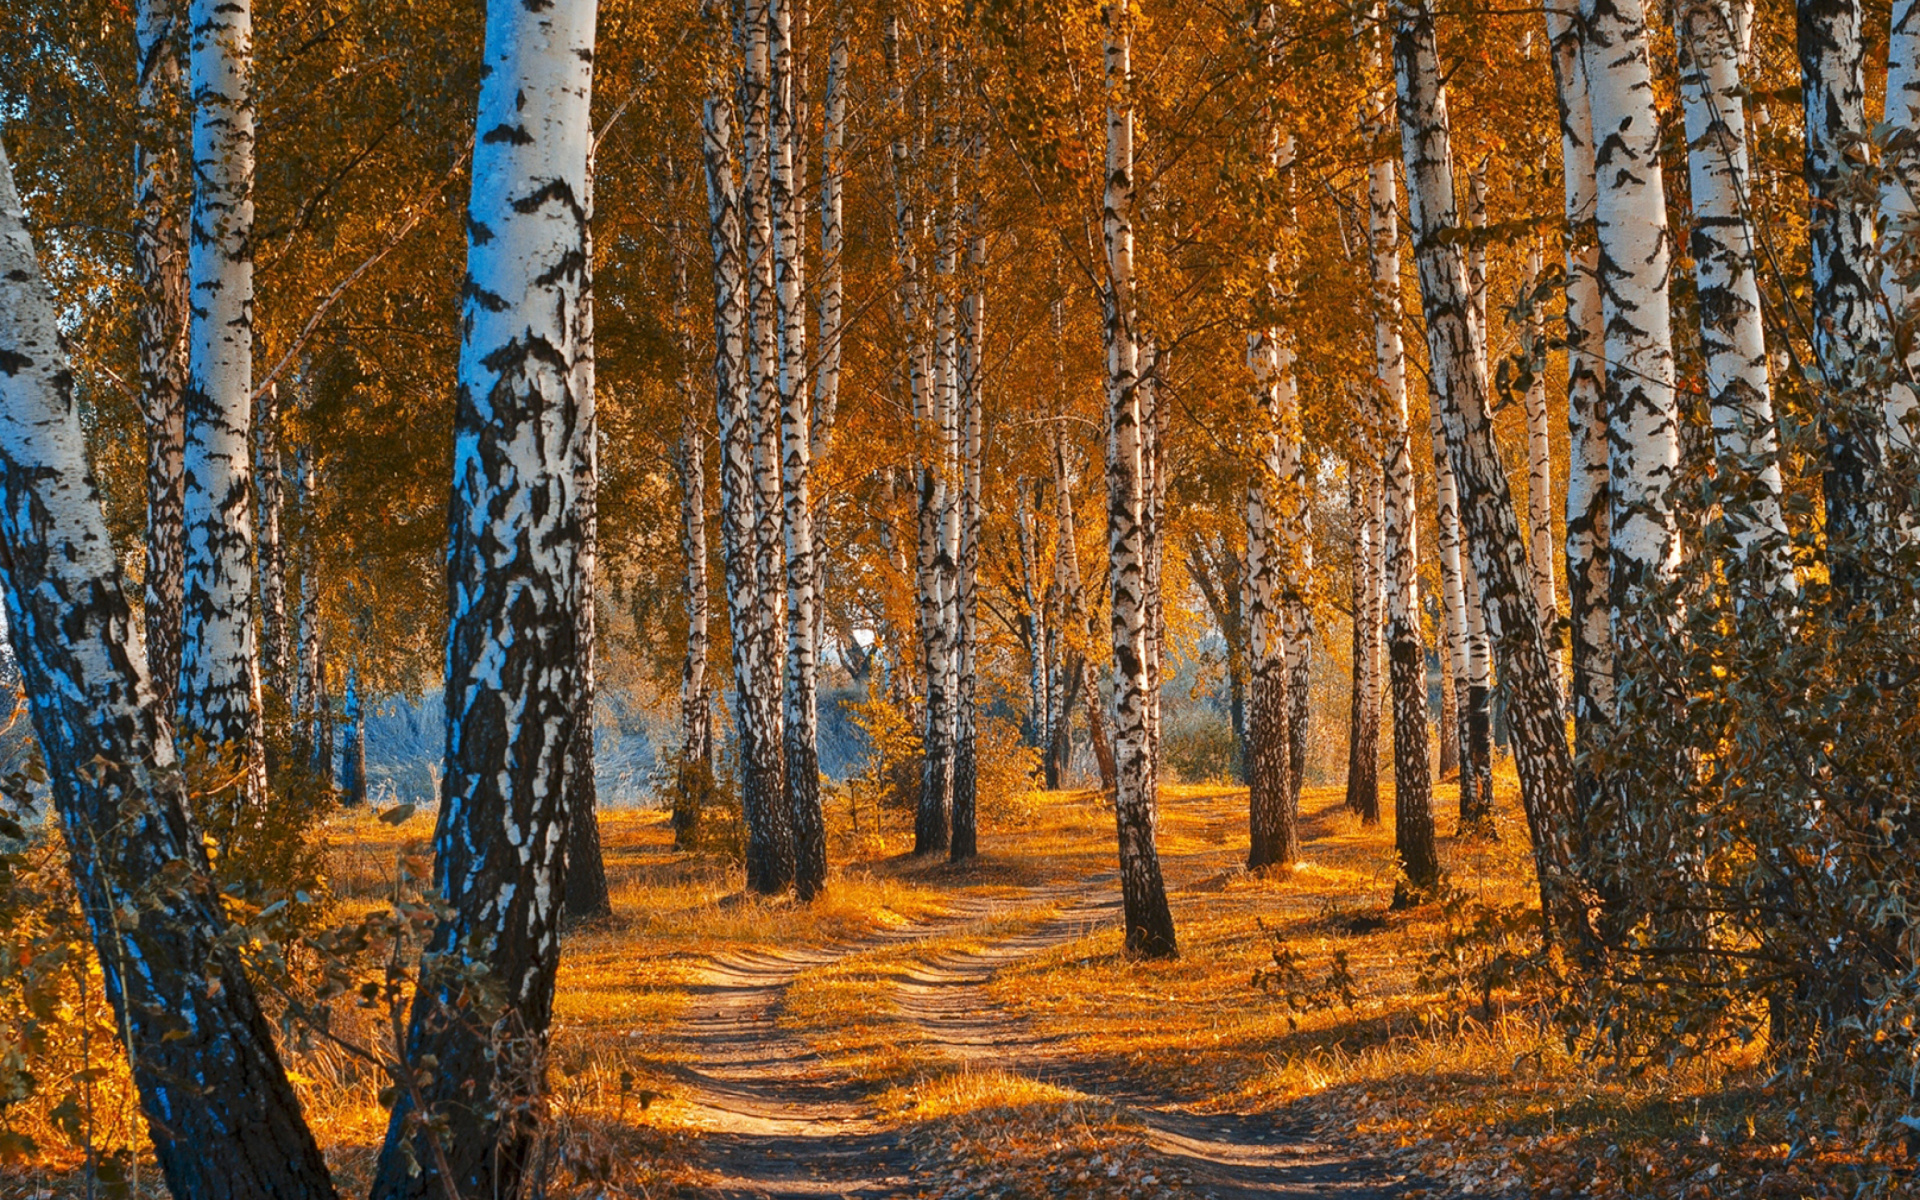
column 511, row 134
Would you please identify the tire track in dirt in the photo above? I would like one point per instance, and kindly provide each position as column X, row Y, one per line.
column 1229, row 1156
column 779, row 1121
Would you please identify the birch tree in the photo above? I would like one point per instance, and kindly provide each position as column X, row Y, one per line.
column 1848, row 331
column 218, row 696
column 1588, row 489
column 1406, row 651
column 1898, row 195
column 964, row 843
column 1540, row 462
column 690, row 466
column 1273, row 821
column 514, row 574
column 1458, row 369
column 1149, row 921
column 800, row 721
column 1711, row 43
column 160, row 270
column 185, row 1005
column 1365, row 496
column 1635, row 263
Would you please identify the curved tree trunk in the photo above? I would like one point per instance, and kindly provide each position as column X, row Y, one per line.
column 186, row 1008
column 1148, row 919
column 219, row 689
column 160, row 271
column 514, row 567
column 1458, row 367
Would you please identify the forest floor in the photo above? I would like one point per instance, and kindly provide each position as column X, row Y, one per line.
column 926, row 1030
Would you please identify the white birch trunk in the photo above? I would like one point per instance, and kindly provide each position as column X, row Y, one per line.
column 735, row 398
column 800, row 724
column 269, row 481
column 1732, row 329
column 1630, row 220
column 1148, row 920
column 1273, row 826
column 160, row 269
column 1899, row 214
column 1588, row 490
column 219, row 692
column 965, row 840
column 1453, row 603
column 226, row 1123
column 1540, row 554
column 1458, row 372
column 1849, row 333
column 1406, row 650
column 515, row 584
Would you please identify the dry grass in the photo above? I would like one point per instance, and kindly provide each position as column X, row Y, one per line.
column 1479, row 1100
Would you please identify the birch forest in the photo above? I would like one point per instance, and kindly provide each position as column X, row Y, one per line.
column 959, row 599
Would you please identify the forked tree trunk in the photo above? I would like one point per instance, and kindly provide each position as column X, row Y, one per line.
column 1588, row 487
column 1406, row 650
column 1148, row 919
column 763, row 776
column 800, row 719
column 1067, row 577
column 1273, row 825
column 186, row 1008
column 160, row 272
column 513, row 687
column 1459, row 370
column 218, row 698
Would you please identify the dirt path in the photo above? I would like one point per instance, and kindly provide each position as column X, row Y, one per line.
column 1225, row 1155
column 781, row 1123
